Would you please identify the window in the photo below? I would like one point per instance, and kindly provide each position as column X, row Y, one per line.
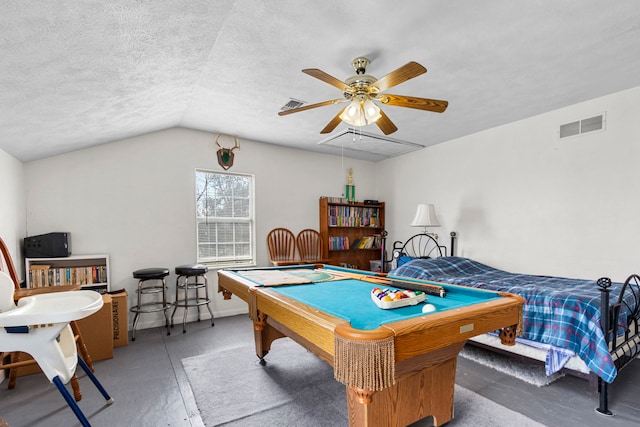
column 225, row 218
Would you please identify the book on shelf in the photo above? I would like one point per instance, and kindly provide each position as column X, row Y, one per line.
column 46, row 275
column 354, row 216
column 338, row 243
column 367, row 242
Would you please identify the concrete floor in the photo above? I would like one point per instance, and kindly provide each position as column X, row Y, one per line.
column 149, row 386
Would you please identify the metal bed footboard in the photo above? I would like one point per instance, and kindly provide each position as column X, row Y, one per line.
column 623, row 315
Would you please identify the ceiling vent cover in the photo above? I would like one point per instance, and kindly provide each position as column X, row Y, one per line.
column 293, row 103
column 591, row 124
column 369, row 146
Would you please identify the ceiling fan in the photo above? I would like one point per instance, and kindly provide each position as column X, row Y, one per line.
column 363, row 91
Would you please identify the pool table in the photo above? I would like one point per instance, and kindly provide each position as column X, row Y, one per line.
column 398, row 364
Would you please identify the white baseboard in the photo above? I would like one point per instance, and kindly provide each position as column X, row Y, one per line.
column 153, row 320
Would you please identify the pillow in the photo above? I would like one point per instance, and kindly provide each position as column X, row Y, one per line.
column 403, row 259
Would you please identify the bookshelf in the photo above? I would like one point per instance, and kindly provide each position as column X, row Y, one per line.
column 90, row 271
column 351, row 232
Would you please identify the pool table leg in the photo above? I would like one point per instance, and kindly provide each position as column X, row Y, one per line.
column 264, row 334
column 428, row 392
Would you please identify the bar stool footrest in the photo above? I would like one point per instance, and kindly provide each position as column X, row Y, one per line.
column 191, row 302
column 191, row 286
column 150, row 307
column 152, row 289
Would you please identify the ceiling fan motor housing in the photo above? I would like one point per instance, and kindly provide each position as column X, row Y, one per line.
column 360, row 88
column 360, row 85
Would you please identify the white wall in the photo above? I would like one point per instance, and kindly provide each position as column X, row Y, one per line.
column 519, row 198
column 12, row 206
column 523, row 200
column 134, row 199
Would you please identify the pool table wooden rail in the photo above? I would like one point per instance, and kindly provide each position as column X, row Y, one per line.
column 462, row 323
column 277, row 316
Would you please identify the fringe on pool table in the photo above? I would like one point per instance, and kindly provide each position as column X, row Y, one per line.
column 367, row 365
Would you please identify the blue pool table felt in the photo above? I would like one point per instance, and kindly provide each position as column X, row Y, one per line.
column 350, row 300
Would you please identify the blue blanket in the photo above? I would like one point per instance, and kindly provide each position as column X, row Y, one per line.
column 561, row 312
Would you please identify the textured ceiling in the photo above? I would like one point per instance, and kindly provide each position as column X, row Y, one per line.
column 80, row 73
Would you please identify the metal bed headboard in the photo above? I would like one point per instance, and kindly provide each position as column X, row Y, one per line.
column 421, row 245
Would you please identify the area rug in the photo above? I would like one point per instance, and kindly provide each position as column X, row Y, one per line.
column 526, row 371
column 297, row 388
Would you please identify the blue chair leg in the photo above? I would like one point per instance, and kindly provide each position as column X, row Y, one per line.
column 72, row 403
column 95, row 381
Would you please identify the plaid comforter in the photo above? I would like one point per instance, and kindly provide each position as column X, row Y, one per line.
column 558, row 311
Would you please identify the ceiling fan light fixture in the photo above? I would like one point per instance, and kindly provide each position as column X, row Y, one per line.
column 371, row 111
column 360, row 113
column 353, row 114
column 353, row 110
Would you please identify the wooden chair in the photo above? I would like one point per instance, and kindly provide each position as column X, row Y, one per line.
column 15, row 357
column 309, row 243
column 281, row 243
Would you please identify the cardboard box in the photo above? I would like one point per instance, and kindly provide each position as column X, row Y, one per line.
column 120, row 318
column 97, row 331
column 97, row 334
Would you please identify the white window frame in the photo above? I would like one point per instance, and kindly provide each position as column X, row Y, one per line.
column 223, row 262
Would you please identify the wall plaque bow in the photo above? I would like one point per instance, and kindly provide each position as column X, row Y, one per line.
column 225, row 155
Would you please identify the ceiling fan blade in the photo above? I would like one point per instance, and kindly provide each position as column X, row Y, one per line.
column 333, row 123
column 434, row 105
column 402, row 74
column 310, row 106
column 385, row 124
column 321, row 75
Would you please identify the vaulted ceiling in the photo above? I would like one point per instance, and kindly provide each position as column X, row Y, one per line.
column 79, row 73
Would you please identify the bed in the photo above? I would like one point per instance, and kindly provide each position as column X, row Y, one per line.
column 585, row 328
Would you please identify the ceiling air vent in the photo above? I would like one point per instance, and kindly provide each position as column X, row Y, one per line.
column 293, row 103
column 367, row 146
column 591, row 124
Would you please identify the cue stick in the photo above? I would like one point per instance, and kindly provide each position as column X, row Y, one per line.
column 398, row 283
column 429, row 289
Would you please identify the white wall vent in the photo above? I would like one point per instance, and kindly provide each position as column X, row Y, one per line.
column 590, row 124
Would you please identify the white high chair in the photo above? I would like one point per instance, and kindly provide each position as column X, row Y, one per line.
column 39, row 325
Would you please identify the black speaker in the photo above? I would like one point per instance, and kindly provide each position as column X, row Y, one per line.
column 50, row 245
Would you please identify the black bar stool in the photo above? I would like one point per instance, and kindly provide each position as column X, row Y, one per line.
column 150, row 281
column 191, row 277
